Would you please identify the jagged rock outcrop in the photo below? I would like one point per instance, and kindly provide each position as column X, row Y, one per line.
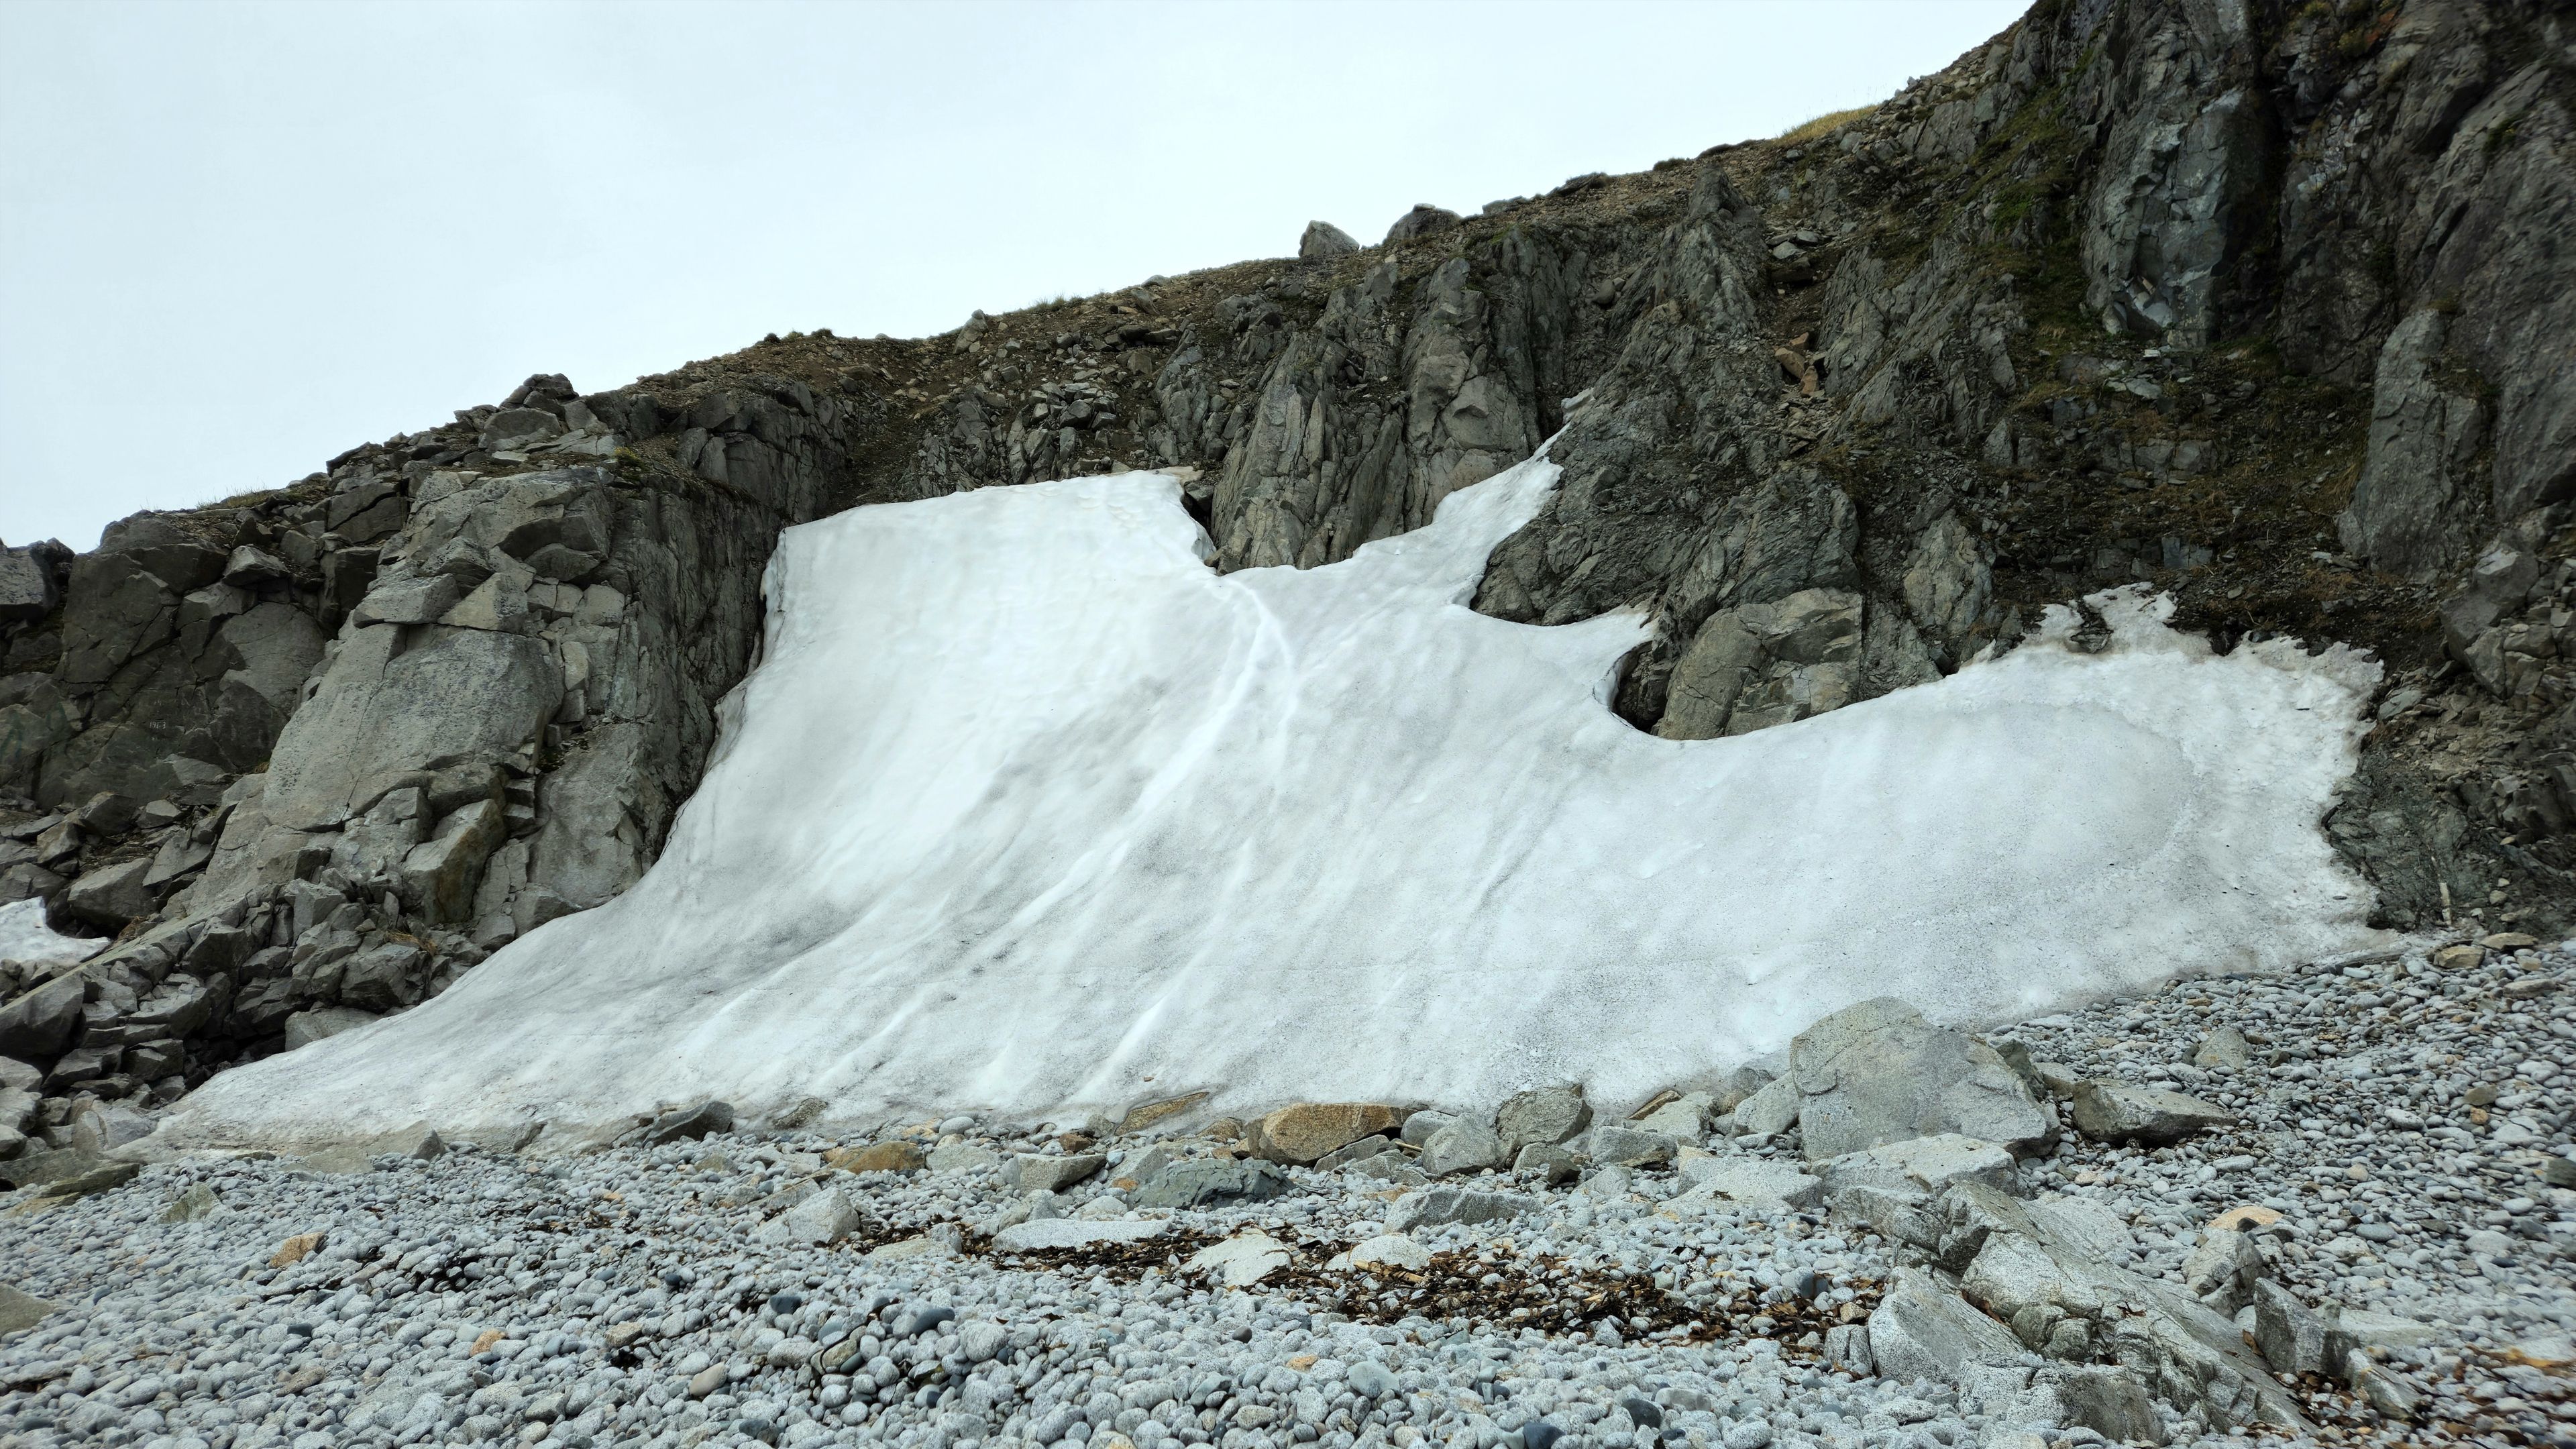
column 2259, row 303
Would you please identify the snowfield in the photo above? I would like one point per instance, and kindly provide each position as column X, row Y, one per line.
column 1026, row 810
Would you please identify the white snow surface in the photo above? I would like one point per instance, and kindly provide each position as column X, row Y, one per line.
column 26, row 940
column 1027, row 810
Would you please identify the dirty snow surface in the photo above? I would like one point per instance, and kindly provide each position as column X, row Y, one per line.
column 1026, row 809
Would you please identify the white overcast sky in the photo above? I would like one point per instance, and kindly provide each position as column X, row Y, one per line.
column 236, row 239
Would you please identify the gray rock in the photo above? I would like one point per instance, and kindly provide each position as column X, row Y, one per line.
column 2223, row 1049
column 1770, row 1110
column 1754, row 1182
column 1878, row 1072
column 1205, row 1183
column 689, row 1123
column 383, row 978
column 1075, row 1233
column 1323, row 239
column 2292, row 1337
column 27, row 590
column 1465, row 1145
column 1551, row 1165
column 1922, row 1330
column 1433, row 1206
column 1422, row 220
column 2152, row 1116
column 826, row 1217
column 1924, row 1165
column 1418, row 1128
column 21, row 1311
column 112, row 895
column 2223, row 1269
column 439, row 876
column 1034, row 1173
column 38, row 1024
column 2419, row 473
column 307, row 1027
column 1761, row 665
column 1684, row 1119
column 407, row 601
column 1623, row 1146
column 962, row 1157
column 1543, row 1115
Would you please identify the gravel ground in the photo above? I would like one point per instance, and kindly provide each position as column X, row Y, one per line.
column 2398, row 1117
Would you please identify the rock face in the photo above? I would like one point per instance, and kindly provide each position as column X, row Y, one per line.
column 1851, row 410
column 1878, row 1072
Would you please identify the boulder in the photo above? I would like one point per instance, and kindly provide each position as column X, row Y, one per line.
column 2291, row 1336
column 893, row 1155
column 689, row 1123
column 1770, row 1110
column 21, row 1311
column 826, row 1217
column 1242, row 1260
column 1422, row 220
column 1309, row 1130
column 1923, row 1330
column 1753, row 1182
column 1551, row 1165
column 2222, row 1270
column 1878, row 1072
column 1208, row 1182
column 407, row 600
column 1042, row 1233
column 304, row 1028
column 2149, row 1116
column 112, row 895
column 1323, row 239
column 1923, row 1165
column 1685, row 1118
column 963, row 1157
column 27, row 592
column 1032, row 1172
column 1390, row 1250
column 1619, row 1146
column 1544, row 1115
column 38, row 1024
column 2224, row 1049
column 1465, row 1145
column 1434, row 1206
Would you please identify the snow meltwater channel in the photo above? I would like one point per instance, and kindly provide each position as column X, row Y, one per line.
column 1026, row 809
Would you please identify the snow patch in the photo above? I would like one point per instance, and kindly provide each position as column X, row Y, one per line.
column 1025, row 809
column 26, row 940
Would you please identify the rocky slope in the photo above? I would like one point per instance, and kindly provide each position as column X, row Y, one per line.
column 2259, row 302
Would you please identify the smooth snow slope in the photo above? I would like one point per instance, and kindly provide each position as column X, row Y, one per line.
column 1026, row 809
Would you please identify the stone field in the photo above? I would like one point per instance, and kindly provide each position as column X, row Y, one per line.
column 2335, row 1206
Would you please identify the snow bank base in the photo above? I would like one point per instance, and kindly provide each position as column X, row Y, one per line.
column 1026, row 810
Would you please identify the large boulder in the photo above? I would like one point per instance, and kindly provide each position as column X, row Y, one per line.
column 38, row 1024
column 1323, row 239
column 27, row 591
column 1878, row 1072
column 1542, row 1115
column 1211, row 1182
column 1309, row 1130
column 1466, row 1144
column 112, row 895
column 2150, row 1116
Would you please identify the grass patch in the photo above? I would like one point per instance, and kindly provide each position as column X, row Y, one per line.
column 1826, row 124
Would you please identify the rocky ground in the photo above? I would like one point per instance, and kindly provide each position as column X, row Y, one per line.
column 2364, row 1165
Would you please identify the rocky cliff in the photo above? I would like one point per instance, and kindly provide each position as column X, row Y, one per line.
column 2260, row 302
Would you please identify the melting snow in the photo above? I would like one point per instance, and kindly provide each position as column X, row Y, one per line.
column 26, row 940
column 1026, row 809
